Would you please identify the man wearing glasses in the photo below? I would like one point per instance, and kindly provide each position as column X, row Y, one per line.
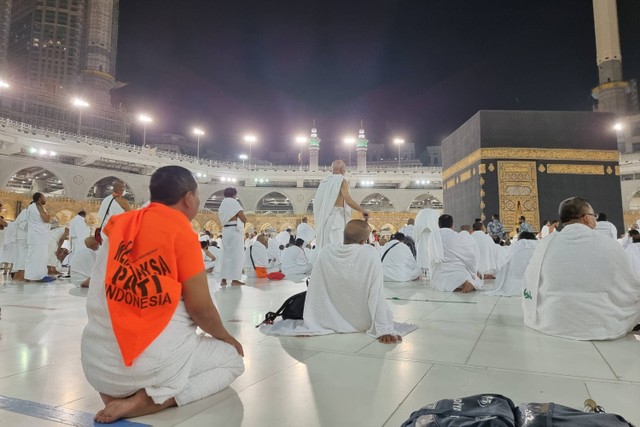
column 580, row 284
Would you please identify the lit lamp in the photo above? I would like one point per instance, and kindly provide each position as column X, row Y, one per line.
column 349, row 142
column 80, row 104
column 144, row 119
column 250, row 139
column 398, row 142
column 301, row 140
column 618, row 127
column 198, row 133
column 243, row 157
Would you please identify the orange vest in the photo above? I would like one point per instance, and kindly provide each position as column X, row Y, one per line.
column 151, row 252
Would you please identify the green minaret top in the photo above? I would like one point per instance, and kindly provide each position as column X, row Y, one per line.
column 314, row 141
column 362, row 141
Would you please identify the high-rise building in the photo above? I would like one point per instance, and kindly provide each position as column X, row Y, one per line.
column 65, row 44
column 58, row 50
column 45, row 42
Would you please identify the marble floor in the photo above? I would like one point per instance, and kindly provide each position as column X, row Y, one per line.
column 465, row 344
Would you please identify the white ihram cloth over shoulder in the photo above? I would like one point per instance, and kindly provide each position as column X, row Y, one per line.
column 295, row 263
column 107, row 210
column 233, row 240
column 453, row 260
column 35, row 267
column 179, row 363
column 9, row 243
column 398, row 265
column 345, row 295
column 78, row 231
column 20, row 253
column 607, row 229
column 426, row 221
column 580, row 285
column 509, row 278
column 491, row 256
column 329, row 219
column 82, row 264
column 633, row 252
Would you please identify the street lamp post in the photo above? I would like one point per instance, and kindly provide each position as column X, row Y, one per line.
column 398, row 142
column 250, row 139
column 3, row 85
column 243, row 157
column 144, row 119
column 349, row 142
column 81, row 104
column 301, row 140
column 198, row 133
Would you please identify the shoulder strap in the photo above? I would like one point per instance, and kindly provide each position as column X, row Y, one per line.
column 107, row 212
column 251, row 256
column 387, row 251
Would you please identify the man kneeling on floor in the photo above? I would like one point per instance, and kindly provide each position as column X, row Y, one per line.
column 346, row 293
column 148, row 294
column 580, row 283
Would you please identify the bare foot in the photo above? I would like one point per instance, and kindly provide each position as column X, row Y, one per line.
column 465, row 288
column 390, row 339
column 236, row 283
column 133, row 406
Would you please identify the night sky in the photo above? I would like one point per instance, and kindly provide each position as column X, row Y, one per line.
column 418, row 69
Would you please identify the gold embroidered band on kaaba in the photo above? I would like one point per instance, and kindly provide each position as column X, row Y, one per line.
column 531, row 154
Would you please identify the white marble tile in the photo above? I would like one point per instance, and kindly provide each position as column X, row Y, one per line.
column 327, row 390
column 623, row 356
column 523, row 349
column 432, row 341
column 347, row 379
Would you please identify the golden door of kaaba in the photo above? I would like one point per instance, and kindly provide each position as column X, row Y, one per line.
column 518, row 192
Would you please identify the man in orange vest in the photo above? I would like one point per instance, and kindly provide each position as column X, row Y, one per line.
column 148, row 294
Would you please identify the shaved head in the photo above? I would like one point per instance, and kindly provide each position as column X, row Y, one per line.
column 356, row 231
column 338, row 167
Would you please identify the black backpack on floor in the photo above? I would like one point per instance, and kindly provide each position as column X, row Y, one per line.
column 292, row 308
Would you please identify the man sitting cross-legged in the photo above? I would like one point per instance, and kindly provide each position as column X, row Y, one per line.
column 453, row 259
column 345, row 293
column 398, row 263
column 148, row 294
column 580, row 283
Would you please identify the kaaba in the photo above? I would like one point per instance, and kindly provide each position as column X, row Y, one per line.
column 524, row 163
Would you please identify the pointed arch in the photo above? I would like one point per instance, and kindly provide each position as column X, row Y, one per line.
column 274, row 201
column 424, row 201
column 377, row 202
column 214, row 200
column 33, row 179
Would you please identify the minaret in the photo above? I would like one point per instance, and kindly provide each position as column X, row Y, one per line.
column 5, row 22
column 99, row 59
column 361, row 150
column 314, row 148
column 611, row 90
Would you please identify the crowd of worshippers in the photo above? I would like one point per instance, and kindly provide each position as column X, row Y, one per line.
column 35, row 248
column 150, row 288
